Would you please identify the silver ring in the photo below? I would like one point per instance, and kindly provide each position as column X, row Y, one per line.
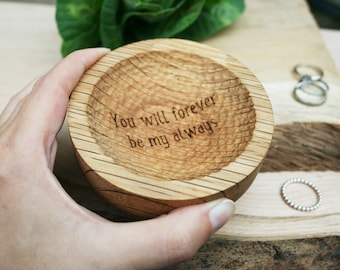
column 321, row 84
column 296, row 206
column 312, row 98
column 314, row 69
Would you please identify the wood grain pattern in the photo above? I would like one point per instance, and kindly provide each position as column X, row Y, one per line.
column 306, row 254
column 304, row 147
column 165, row 123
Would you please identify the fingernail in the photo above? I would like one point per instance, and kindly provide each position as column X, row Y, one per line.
column 103, row 49
column 221, row 210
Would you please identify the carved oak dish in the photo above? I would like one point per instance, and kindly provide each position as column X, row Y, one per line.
column 164, row 123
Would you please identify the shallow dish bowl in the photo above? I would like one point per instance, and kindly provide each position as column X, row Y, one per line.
column 164, row 123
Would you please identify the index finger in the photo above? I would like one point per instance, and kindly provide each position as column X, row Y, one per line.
column 45, row 107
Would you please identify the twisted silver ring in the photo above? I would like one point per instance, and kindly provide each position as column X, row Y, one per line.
column 313, row 87
column 296, row 206
column 315, row 77
column 308, row 97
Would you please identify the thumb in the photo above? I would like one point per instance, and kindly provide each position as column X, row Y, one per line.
column 169, row 239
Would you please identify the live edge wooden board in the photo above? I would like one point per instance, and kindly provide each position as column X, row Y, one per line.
column 164, row 123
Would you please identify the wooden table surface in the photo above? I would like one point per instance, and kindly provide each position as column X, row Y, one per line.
column 270, row 38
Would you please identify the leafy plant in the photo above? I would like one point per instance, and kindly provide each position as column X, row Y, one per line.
column 113, row 23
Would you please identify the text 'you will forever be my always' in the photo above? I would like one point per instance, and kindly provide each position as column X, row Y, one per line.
column 167, row 117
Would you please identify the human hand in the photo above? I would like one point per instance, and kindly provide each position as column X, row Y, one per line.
column 41, row 227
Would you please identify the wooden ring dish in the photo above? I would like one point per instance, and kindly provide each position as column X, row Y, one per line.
column 165, row 123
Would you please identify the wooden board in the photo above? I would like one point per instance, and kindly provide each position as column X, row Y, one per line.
column 270, row 38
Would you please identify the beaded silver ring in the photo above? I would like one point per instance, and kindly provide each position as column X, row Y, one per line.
column 296, row 206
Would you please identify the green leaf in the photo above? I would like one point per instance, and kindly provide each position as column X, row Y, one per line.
column 150, row 5
column 181, row 17
column 110, row 28
column 113, row 23
column 118, row 28
column 115, row 16
column 78, row 24
column 216, row 14
column 152, row 15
